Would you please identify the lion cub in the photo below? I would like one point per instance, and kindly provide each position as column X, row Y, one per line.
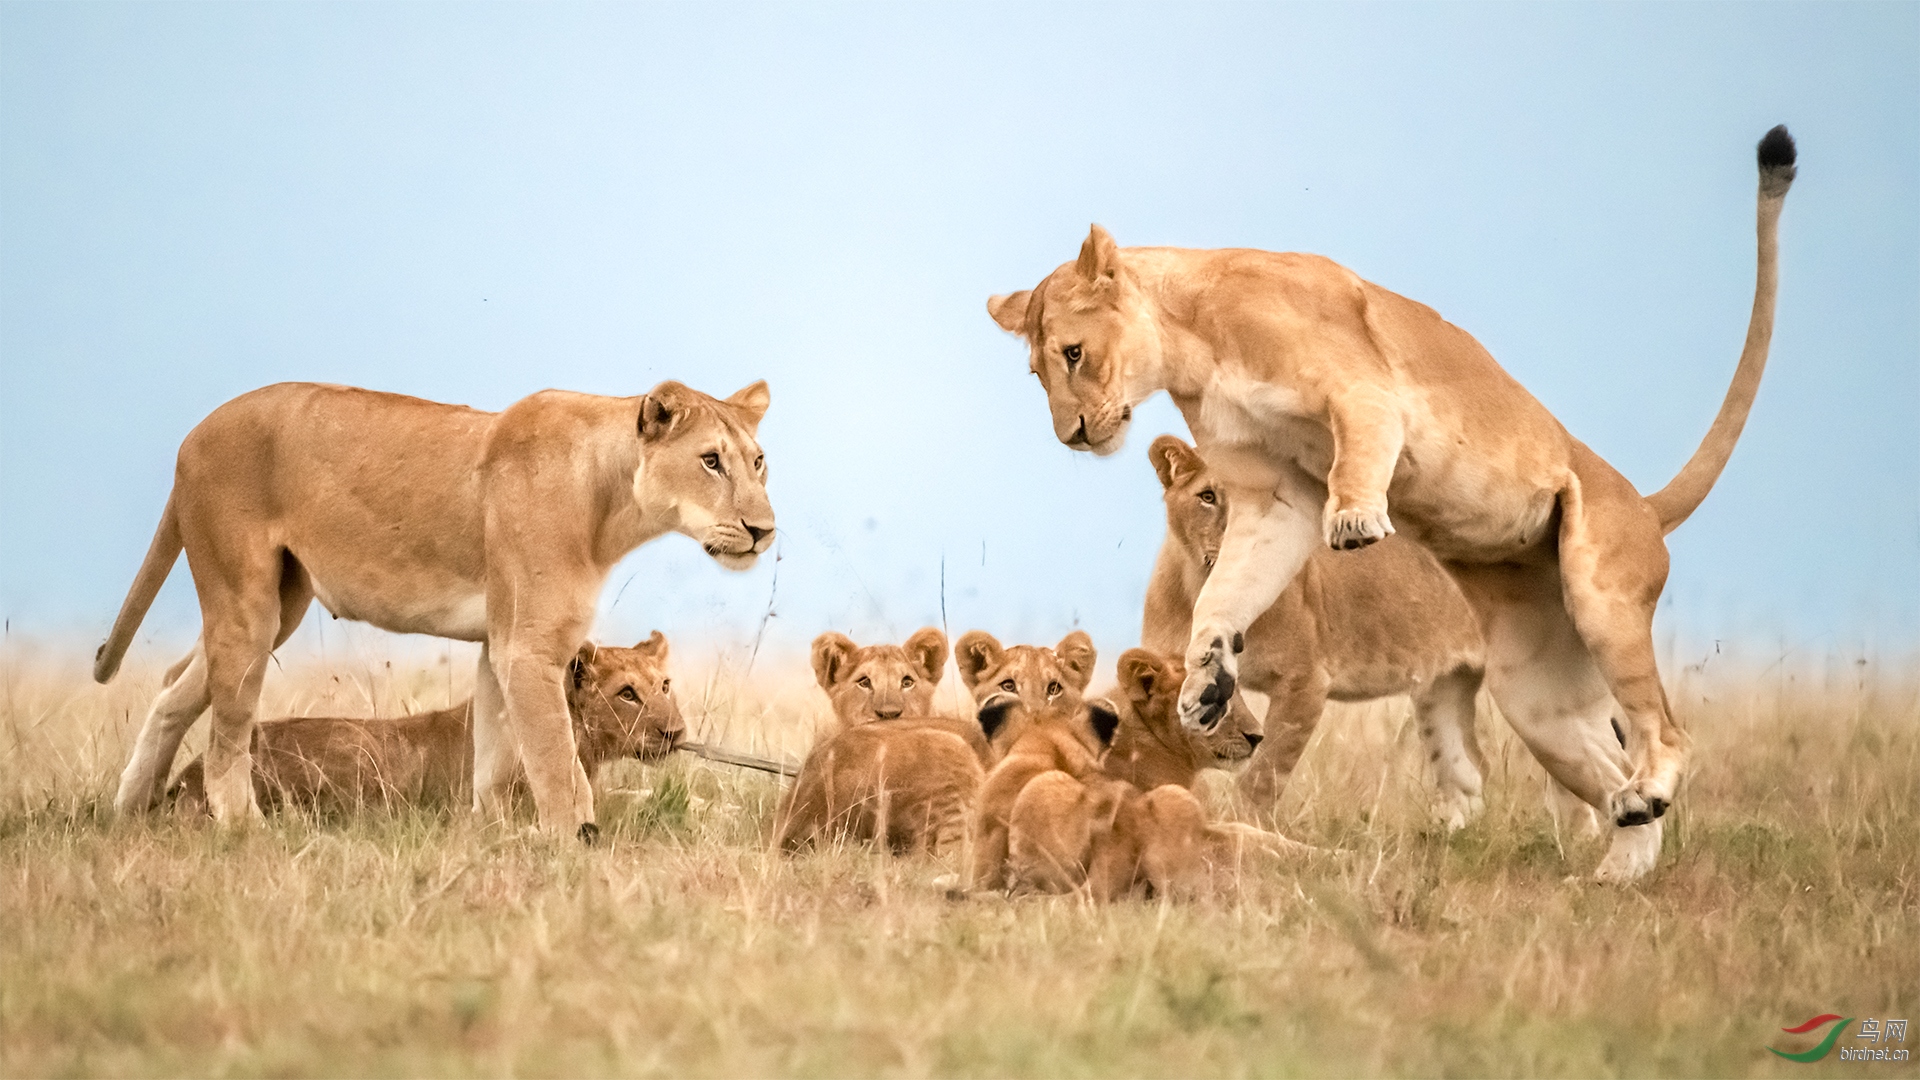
column 1353, row 626
column 620, row 701
column 892, row 771
column 1130, row 826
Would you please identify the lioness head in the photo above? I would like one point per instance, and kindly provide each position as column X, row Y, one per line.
column 1039, row 677
column 880, row 682
column 701, row 468
column 1196, row 506
column 622, row 701
column 1092, row 339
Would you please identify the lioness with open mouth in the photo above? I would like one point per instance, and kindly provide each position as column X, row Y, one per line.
column 1321, row 400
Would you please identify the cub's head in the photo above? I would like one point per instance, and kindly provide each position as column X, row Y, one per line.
column 1196, row 506
column 622, row 701
column 1093, row 340
column 1036, row 674
column 702, row 470
column 880, row 682
column 1152, row 747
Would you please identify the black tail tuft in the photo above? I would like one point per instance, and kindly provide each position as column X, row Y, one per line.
column 1776, row 149
column 1776, row 155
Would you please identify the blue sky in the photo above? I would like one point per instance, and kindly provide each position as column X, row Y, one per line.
column 471, row 203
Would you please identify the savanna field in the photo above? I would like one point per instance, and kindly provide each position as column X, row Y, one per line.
column 423, row 944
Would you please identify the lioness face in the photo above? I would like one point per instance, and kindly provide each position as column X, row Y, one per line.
column 622, row 701
column 880, row 682
column 1196, row 506
column 1091, row 339
column 701, row 468
column 1041, row 679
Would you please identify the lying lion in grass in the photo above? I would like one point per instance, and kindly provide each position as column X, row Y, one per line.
column 620, row 701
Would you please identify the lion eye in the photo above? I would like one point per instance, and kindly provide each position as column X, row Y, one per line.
column 906, row 681
column 1008, row 686
column 1053, row 690
column 666, row 685
column 1208, row 497
column 759, row 462
column 711, row 461
column 864, row 682
column 627, row 694
column 1072, row 353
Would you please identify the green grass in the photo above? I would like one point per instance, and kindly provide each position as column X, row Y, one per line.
column 424, row 944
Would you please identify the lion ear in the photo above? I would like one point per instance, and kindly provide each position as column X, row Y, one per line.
column 1099, row 257
column 831, row 654
column 1105, row 720
column 660, row 408
column 994, row 713
column 1077, row 656
column 655, row 646
column 927, row 651
column 1010, row 310
column 1173, row 460
column 1139, row 672
column 977, row 651
column 752, row 401
column 577, row 667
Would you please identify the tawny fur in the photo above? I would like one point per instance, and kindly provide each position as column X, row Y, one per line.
column 1320, row 399
column 1353, row 626
column 620, row 701
column 427, row 518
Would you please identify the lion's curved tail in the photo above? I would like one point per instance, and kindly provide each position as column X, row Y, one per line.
column 146, row 584
column 1684, row 493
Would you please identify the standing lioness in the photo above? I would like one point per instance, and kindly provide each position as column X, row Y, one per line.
column 1322, row 399
column 436, row 519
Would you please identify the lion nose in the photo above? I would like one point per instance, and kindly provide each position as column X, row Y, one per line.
column 757, row 532
column 1253, row 739
column 1079, row 434
column 890, row 713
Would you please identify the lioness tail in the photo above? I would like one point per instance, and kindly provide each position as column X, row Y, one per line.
column 146, row 584
column 1684, row 493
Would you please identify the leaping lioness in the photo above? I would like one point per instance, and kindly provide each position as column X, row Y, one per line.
column 1322, row 399
column 436, row 519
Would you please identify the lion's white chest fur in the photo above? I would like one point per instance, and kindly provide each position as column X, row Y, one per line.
column 1240, row 417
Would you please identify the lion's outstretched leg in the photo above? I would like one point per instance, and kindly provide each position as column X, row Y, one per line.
column 180, row 703
column 1444, row 712
column 1613, row 564
column 1268, row 537
column 1368, row 434
column 1551, row 692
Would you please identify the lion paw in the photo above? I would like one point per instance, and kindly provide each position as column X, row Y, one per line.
column 1632, row 856
column 1209, row 687
column 1454, row 810
column 1637, row 804
column 1347, row 530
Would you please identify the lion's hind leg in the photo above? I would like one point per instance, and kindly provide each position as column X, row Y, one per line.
column 1454, row 764
column 178, row 705
column 1613, row 565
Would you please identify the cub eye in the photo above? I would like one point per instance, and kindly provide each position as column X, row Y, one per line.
column 1007, row 685
column 666, row 685
column 906, row 681
column 1053, row 690
column 1208, row 497
column 711, row 461
column 759, row 462
column 864, row 683
column 1072, row 353
column 627, row 694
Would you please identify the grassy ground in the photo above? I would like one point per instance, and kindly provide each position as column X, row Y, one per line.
column 425, row 945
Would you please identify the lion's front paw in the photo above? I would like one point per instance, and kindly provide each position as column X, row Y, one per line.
column 1209, row 686
column 1640, row 802
column 1356, row 528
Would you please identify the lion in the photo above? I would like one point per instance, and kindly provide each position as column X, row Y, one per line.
column 420, row 517
column 620, row 700
column 1353, row 626
column 1132, row 826
column 1320, row 399
column 1064, row 734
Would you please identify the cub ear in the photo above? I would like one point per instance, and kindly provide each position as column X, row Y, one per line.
column 1173, row 460
column 1139, row 672
column 752, row 401
column 655, row 646
column 832, row 653
column 977, row 651
column 927, row 652
column 1076, row 655
column 1010, row 310
column 995, row 711
column 1099, row 257
column 577, row 667
column 660, row 408
column 1105, row 720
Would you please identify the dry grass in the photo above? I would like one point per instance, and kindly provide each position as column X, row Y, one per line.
column 424, row 945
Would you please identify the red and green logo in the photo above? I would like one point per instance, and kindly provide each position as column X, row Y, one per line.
column 1826, row 1044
